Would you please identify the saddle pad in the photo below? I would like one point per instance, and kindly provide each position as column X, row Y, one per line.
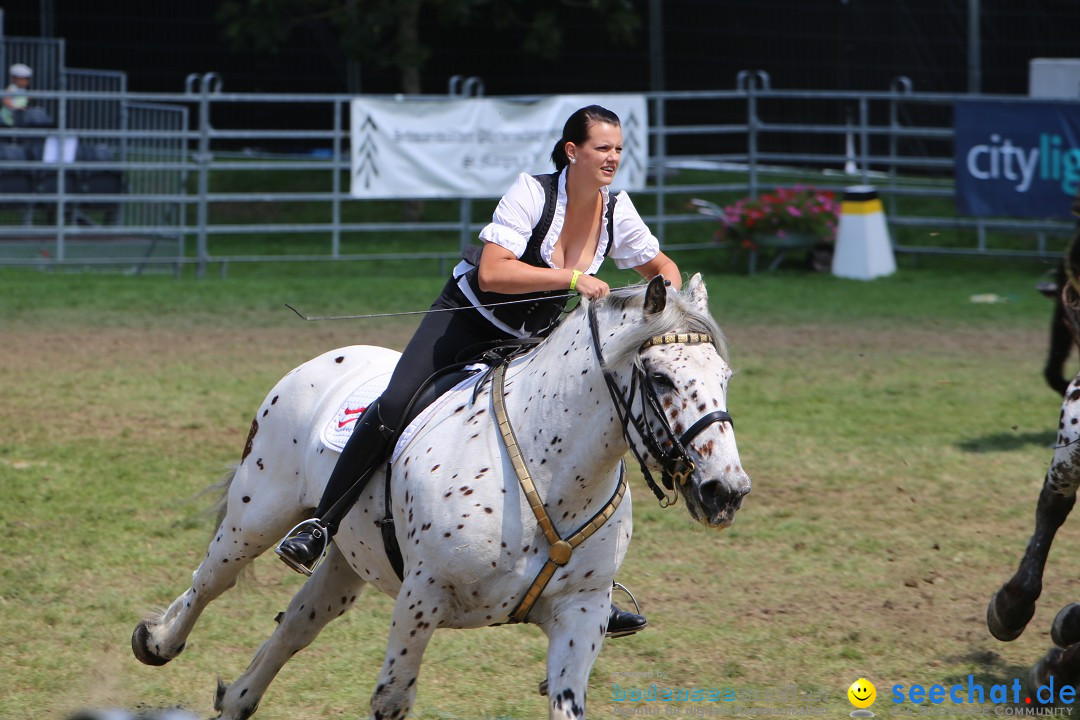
column 338, row 431
column 418, row 423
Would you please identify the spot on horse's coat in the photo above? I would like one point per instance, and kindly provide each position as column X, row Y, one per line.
column 339, row 359
column 250, row 440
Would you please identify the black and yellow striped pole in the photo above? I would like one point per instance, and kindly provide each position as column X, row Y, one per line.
column 863, row 249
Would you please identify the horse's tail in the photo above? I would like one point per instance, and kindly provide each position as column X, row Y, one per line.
column 221, row 505
column 221, row 490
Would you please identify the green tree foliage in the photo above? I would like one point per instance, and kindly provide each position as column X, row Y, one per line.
column 387, row 32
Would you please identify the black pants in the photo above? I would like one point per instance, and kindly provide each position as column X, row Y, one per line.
column 439, row 342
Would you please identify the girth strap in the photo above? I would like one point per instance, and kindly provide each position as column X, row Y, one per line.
column 560, row 550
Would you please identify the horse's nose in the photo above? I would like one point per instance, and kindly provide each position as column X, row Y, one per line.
column 729, row 488
column 726, row 494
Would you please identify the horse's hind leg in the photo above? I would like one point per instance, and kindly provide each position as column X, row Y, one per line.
column 1058, row 667
column 253, row 521
column 331, row 590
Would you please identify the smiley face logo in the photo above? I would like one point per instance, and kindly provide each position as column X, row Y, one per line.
column 862, row 693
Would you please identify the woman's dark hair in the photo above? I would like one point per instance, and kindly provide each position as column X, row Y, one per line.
column 576, row 130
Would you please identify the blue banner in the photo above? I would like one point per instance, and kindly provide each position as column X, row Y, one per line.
column 1016, row 159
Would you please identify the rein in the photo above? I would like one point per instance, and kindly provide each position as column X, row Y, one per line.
column 675, row 463
column 676, row 466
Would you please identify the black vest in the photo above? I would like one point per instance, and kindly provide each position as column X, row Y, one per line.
column 532, row 317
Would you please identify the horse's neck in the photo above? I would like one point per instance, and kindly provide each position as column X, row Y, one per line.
column 564, row 418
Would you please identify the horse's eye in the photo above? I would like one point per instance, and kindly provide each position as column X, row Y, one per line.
column 661, row 382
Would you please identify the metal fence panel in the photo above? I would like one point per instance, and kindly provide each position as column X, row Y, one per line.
column 260, row 193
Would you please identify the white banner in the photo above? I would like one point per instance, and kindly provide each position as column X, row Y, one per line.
column 475, row 147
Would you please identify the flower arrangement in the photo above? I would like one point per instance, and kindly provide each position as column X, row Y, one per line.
column 794, row 211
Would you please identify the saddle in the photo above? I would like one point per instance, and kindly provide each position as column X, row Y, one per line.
column 434, row 387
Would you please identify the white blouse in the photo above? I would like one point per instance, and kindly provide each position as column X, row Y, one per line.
column 523, row 204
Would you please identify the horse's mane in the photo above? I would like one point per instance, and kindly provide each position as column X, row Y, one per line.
column 680, row 314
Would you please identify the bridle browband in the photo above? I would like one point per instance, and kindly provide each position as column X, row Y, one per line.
column 675, row 463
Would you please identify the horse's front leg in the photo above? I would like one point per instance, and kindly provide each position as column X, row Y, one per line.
column 329, row 592
column 417, row 612
column 575, row 635
column 1013, row 605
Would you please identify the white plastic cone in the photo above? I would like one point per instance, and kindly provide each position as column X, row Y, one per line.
column 863, row 249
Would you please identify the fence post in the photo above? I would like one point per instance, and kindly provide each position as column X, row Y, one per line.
column 748, row 81
column 61, row 177
column 661, row 163
column 203, row 159
column 900, row 86
column 864, row 139
column 335, row 167
column 472, row 84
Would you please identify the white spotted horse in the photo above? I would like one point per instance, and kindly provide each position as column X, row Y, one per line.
column 509, row 503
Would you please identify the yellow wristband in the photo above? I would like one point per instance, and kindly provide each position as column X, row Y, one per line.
column 573, row 280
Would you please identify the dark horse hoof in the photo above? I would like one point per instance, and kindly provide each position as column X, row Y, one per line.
column 140, row 646
column 1003, row 624
column 1066, row 628
column 1047, row 667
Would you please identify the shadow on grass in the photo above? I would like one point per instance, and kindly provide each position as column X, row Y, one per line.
column 990, row 670
column 993, row 671
column 1004, row 442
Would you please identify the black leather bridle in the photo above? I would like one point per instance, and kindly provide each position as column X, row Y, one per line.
column 675, row 464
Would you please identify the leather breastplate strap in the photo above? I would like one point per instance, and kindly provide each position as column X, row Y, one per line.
column 560, row 550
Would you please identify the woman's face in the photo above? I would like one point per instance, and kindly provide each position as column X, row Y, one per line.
column 598, row 157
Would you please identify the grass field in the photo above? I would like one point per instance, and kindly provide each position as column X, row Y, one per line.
column 896, row 433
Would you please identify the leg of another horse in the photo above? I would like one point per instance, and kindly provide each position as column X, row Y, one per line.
column 331, row 590
column 416, row 615
column 252, row 523
column 1063, row 666
column 575, row 636
column 1013, row 605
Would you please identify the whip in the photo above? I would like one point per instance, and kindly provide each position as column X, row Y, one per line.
column 422, row 312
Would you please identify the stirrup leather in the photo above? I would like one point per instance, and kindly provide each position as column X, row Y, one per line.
column 317, row 531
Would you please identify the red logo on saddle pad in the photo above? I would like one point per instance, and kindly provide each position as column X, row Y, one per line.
column 354, row 412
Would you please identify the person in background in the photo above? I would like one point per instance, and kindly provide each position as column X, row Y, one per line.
column 549, row 234
column 15, row 101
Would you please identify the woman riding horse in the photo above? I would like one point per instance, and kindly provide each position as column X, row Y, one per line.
column 549, row 234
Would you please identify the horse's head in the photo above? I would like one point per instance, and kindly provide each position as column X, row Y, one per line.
column 670, row 367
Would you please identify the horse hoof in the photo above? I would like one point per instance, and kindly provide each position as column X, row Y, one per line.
column 1045, row 668
column 998, row 627
column 140, row 646
column 543, row 687
column 1066, row 628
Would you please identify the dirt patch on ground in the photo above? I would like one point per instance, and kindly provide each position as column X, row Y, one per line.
column 33, row 349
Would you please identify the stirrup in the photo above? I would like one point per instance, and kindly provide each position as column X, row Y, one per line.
column 317, row 531
column 637, row 608
column 637, row 611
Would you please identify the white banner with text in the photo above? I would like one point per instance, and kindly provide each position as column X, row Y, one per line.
column 475, row 147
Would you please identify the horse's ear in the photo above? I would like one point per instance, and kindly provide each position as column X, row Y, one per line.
column 655, row 296
column 696, row 290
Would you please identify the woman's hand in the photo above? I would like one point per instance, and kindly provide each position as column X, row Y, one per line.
column 591, row 287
